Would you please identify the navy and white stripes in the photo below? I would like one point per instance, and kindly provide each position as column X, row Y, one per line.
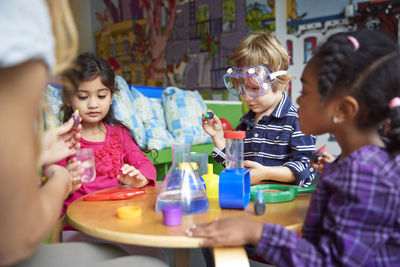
column 276, row 140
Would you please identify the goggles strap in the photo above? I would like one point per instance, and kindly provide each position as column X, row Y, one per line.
column 275, row 74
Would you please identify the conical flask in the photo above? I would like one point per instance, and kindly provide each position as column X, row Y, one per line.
column 182, row 185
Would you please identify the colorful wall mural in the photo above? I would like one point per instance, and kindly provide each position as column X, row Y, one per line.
column 188, row 43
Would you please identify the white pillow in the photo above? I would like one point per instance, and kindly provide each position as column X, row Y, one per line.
column 152, row 115
column 125, row 110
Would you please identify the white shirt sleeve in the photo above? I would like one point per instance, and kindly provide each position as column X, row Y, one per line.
column 25, row 33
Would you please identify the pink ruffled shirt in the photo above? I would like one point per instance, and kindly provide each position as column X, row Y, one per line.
column 117, row 149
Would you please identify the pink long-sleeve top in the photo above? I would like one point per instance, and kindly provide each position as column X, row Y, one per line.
column 117, row 149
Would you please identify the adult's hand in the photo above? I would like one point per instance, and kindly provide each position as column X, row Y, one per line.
column 59, row 143
column 60, row 175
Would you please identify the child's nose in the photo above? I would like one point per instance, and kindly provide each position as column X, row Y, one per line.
column 92, row 102
column 244, row 95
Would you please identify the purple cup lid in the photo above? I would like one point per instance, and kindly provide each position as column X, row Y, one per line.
column 172, row 215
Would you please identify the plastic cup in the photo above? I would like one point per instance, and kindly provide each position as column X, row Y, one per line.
column 172, row 215
column 201, row 159
column 86, row 157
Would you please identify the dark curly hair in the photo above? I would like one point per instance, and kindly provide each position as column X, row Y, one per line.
column 370, row 73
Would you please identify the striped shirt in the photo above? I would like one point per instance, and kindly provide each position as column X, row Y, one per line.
column 276, row 140
column 353, row 218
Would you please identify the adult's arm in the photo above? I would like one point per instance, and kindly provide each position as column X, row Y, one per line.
column 28, row 211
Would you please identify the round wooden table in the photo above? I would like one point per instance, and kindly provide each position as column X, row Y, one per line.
column 99, row 219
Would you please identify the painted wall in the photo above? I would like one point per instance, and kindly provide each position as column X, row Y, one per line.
column 205, row 33
column 314, row 10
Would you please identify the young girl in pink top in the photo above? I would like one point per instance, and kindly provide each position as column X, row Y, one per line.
column 118, row 159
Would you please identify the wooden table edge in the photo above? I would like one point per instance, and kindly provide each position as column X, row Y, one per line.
column 139, row 239
column 230, row 257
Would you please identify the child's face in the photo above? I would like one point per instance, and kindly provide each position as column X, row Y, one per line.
column 263, row 104
column 93, row 100
column 313, row 114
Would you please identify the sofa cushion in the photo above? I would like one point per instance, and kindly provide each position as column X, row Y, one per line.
column 183, row 111
column 53, row 101
column 127, row 112
column 152, row 114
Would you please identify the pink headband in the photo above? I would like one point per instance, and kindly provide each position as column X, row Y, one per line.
column 354, row 41
column 394, row 103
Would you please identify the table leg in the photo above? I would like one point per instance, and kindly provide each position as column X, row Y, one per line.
column 181, row 257
column 230, row 257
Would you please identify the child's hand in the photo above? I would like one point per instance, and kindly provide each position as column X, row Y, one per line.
column 228, row 232
column 321, row 161
column 132, row 176
column 213, row 127
column 257, row 171
column 75, row 169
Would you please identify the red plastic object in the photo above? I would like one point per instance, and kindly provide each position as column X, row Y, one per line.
column 235, row 134
column 226, row 125
column 118, row 194
column 322, row 149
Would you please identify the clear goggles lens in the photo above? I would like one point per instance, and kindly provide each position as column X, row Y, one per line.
column 253, row 81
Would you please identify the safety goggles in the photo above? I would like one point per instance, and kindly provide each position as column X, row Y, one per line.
column 253, row 81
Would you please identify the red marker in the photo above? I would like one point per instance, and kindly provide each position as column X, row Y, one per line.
column 116, row 194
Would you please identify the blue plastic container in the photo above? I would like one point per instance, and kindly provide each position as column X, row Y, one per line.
column 234, row 188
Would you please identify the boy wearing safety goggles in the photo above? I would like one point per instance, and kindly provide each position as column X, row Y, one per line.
column 274, row 147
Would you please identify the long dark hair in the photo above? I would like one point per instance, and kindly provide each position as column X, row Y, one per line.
column 366, row 65
column 88, row 67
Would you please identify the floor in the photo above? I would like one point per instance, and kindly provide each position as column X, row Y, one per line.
column 197, row 259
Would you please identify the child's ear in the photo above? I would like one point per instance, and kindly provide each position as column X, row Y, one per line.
column 347, row 109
